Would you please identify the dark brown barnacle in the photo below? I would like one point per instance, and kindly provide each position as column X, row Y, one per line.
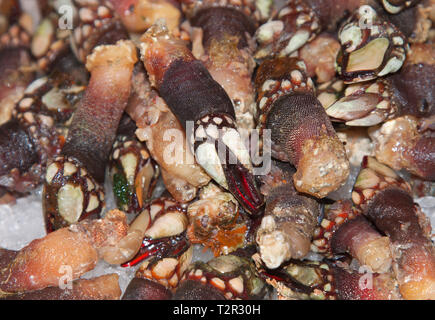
column 194, row 290
column 299, row 138
column 144, row 289
column 371, row 47
column 253, row 9
column 134, row 173
column 394, row 213
column 174, row 71
column 13, row 79
column 293, row 26
column 73, row 183
column 96, row 26
column 225, row 277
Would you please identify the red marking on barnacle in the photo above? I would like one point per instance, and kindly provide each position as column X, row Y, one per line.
column 246, row 185
column 246, row 201
column 139, row 258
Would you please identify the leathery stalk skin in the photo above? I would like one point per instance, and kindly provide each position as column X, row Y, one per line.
column 105, row 287
column 73, row 183
column 222, row 38
column 370, row 52
column 344, row 230
column 301, row 131
column 42, row 262
column 194, row 97
column 387, row 202
column 289, row 220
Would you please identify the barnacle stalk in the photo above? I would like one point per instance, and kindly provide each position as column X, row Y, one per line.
column 43, row 262
column 300, row 127
column 105, row 287
column 359, row 238
column 164, row 252
column 73, row 183
column 194, row 97
column 222, row 37
column 288, row 224
column 391, row 207
column 319, row 56
column 165, row 139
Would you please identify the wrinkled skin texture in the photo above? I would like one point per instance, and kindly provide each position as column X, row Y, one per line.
column 393, row 212
column 173, row 70
column 299, row 127
column 144, row 289
column 289, row 219
column 359, row 238
column 348, row 286
column 97, row 117
column 194, row 290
